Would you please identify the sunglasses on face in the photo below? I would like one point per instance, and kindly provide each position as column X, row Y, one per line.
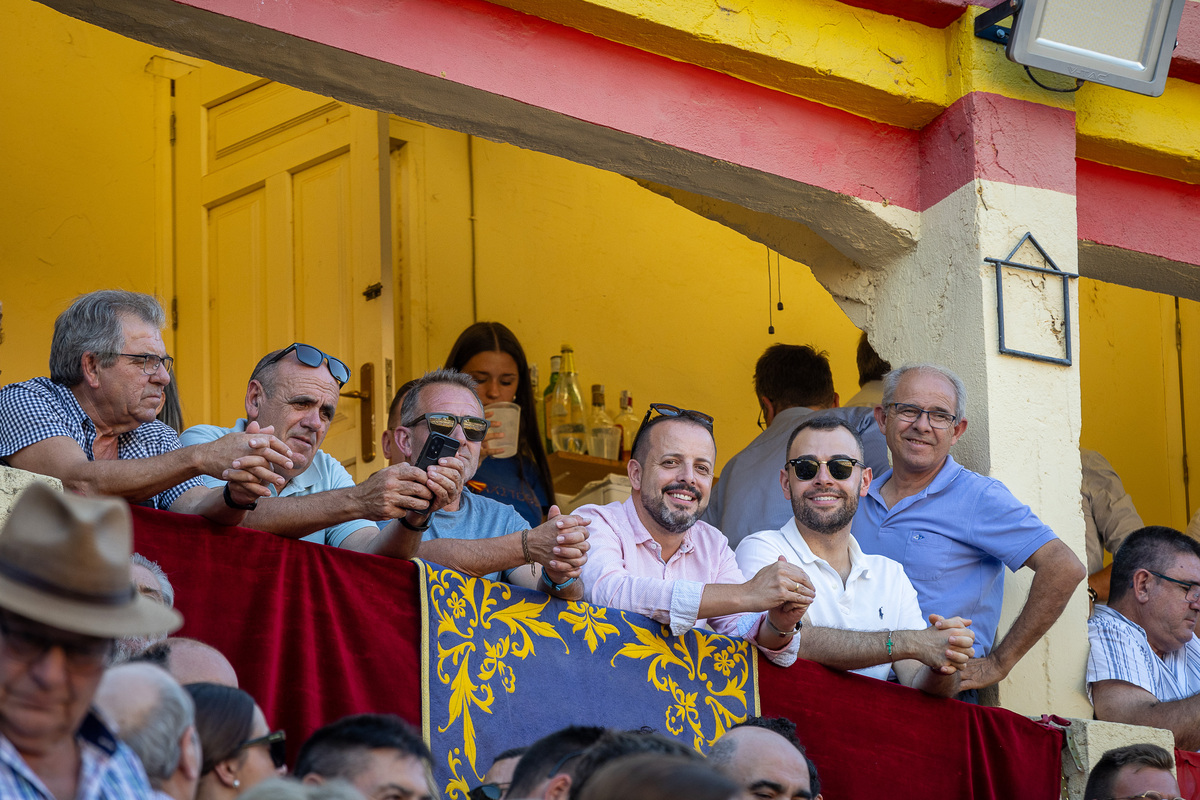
column 485, row 791
column 310, row 356
column 276, row 746
column 840, row 468
column 474, row 428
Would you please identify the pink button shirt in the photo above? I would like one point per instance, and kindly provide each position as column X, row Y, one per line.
column 625, row 569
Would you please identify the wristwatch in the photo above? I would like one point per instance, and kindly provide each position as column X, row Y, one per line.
column 794, row 630
column 229, row 501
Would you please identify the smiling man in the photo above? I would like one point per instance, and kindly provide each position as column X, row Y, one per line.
column 955, row 530
column 651, row 554
column 92, row 423
column 865, row 616
column 1144, row 663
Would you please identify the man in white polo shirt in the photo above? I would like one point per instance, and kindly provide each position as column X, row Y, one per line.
column 865, row 616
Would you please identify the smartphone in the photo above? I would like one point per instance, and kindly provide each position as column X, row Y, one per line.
column 437, row 446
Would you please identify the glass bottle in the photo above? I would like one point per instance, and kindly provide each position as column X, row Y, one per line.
column 564, row 417
column 604, row 438
column 540, row 411
column 628, row 422
column 555, row 363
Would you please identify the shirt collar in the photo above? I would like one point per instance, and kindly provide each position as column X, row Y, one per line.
column 642, row 536
column 857, row 560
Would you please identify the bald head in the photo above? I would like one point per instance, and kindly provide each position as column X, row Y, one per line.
column 763, row 763
column 192, row 661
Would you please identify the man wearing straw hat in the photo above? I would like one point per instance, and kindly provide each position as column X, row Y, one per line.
column 66, row 593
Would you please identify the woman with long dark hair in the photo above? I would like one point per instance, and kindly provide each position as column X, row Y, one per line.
column 490, row 353
column 239, row 751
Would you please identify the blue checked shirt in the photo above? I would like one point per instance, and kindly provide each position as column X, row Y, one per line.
column 110, row 770
column 1120, row 651
column 38, row 409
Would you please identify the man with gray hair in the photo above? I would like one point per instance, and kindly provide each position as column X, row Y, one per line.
column 150, row 581
column 955, row 530
column 294, row 391
column 156, row 718
column 472, row 533
column 92, row 424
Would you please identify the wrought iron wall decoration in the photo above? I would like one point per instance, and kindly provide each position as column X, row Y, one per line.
column 999, row 264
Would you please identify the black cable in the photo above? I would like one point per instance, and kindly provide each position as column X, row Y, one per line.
column 1078, row 83
column 770, row 320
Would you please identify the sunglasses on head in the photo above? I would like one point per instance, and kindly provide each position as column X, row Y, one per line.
column 310, row 356
column 474, row 428
column 840, row 468
column 276, row 746
column 668, row 410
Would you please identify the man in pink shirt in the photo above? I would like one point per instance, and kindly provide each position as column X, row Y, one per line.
column 652, row 555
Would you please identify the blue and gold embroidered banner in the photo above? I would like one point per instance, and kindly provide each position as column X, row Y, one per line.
column 503, row 666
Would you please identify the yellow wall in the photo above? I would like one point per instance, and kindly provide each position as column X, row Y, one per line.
column 77, row 212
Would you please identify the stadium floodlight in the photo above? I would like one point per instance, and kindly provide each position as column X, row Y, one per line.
column 1125, row 44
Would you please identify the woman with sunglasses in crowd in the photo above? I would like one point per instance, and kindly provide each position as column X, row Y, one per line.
column 239, row 749
column 490, row 353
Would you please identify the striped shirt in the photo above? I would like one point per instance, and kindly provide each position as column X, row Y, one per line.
column 1120, row 651
column 39, row 409
column 110, row 770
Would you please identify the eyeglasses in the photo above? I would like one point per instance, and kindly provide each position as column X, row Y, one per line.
column 1147, row 796
column 910, row 413
column 1191, row 590
column 840, row 468
column 276, row 746
column 667, row 410
column 486, row 791
column 82, row 653
column 150, row 362
column 562, row 762
column 474, row 428
column 310, row 356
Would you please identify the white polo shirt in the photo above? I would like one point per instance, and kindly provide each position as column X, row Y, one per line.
column 877, row 596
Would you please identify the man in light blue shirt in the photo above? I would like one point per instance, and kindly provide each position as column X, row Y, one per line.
column 955, row 530
column 293, row 393
column 792, row 383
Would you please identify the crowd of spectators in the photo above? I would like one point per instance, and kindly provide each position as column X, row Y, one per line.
column 849, row 537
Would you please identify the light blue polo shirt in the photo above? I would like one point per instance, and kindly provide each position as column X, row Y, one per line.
column 954, row 539
column 324, row 473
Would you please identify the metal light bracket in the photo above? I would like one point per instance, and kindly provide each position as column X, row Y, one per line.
column 986, row 26
column 999, row 264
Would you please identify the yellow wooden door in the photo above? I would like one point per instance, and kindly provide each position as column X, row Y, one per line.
column 281, row 236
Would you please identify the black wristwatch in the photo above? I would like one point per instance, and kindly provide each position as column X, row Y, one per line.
column 229, row 501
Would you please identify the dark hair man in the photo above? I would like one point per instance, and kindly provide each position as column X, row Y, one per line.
column 65, row 595
column 92, row 424
column 959, row 529
column 616, row 744
column 1144, row 662
column 1132, row 771
column 379, row 754
column 865, row 616
column 652, row 555
column 792, row 382
column 547, row 769
column 767, row 760
column 157, row 719
column 871, row 369
column 294, row 392
column 472, row 533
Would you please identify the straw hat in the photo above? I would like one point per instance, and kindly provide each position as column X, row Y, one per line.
column 64, row 562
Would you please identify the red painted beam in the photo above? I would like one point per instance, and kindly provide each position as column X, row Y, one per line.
column 1185, row 63
column 1139, row 212
column 934, row 13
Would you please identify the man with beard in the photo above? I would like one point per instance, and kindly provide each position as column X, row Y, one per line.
column 652, row 555
column 865, row 617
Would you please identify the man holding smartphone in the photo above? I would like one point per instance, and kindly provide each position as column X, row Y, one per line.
column 293, row 393
column 470, row 533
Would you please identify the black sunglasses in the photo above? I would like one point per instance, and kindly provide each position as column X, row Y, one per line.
column 668, row 410
column 310, row 356
column 840, row 468
column 485, row 791
column 474, row 428
column 276, row 746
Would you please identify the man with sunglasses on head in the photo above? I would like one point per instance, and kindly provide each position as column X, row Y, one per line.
column 93, row 423
column 294, row 392
column 865, row 617
column 955, row 530
column 651, row 554
column 471, row 533
column 792, row 383
column 1144, row 663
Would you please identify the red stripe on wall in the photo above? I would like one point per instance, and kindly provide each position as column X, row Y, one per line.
column 934, row 13
column 990, row 137
column 1139, row 212
column 1185, row 62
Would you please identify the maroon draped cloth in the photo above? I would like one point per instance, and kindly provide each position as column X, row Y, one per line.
column 316, row 633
